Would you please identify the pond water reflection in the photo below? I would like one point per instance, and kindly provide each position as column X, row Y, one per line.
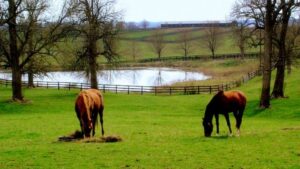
column 130, row 76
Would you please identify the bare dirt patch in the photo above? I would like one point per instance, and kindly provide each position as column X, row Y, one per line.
column 77, row 136
column 291, row 128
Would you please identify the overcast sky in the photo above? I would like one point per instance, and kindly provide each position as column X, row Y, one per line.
column 175, row 10
column 169, row 10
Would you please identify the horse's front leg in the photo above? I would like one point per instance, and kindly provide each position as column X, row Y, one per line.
column 217, row 122
column 228, row 122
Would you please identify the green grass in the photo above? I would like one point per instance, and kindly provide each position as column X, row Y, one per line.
column 226, row 45
column 145, row 50
column 157, row 132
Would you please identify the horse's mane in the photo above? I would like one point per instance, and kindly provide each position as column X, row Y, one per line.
column 215, row 99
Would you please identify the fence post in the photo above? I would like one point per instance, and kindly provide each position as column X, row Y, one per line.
column 37, row 84
column 104, row 88
column 116, row 89
column 58, row 85
column 69, row 86
column 209, row 89
column 198, row 89
column 170, row 90
column 80, row 86
column 184, row 90
column 128, row 90
column 155, row 90
column 47, row 85
column 142, row 90
column 6, row 83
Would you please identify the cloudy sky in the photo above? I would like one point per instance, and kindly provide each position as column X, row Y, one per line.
column 175, row 10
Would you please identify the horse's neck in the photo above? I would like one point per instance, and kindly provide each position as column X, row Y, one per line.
column 208, row 115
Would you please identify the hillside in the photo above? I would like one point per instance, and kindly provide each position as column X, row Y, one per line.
column 138, row 41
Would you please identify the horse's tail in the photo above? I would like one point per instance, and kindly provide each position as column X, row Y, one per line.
column 87, row 109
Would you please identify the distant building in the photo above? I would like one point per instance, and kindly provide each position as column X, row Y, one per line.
column 195, row 24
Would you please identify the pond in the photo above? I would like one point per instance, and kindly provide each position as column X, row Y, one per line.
column 127, row 76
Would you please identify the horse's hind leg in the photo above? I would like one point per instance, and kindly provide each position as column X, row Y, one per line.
column 94, row 119
column 101, row 119
column 228, row 122
column 239, row 117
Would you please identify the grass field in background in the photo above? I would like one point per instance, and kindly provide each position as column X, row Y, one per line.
column 157, row 131
column 139, row 39
column 172, row 48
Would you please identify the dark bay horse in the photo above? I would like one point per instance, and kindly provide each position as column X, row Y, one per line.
column 89, row 103
column 224, row 103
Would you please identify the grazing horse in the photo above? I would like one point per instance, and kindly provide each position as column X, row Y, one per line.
column 88, row 105
column 224, row 103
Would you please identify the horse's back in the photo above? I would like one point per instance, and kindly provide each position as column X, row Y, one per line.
column 237, row 98
column 93, row 98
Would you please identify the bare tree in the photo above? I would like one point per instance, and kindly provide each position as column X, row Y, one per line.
column 265, row 14
column 96, row 19
column 240, row 29
column 157, row 42
column 131, row 26
column 134, row 51
column 212, row 39
column 145, row 24
column 269, row 27
column 292, row 45
column 16, row 35
column 286, row 8
column 185, row 43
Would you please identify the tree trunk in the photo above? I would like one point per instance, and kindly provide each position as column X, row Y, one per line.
column 13, row 45
column 289, row 64
column 93, row 73
column 30, row 78
column 17, row 84
column 278, row 90
column 159, row 55
column 265, row 92
column 242, row 50
column 92, row 54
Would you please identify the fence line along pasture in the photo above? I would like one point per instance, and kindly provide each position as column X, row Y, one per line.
column 157, row 90
column 201, row 57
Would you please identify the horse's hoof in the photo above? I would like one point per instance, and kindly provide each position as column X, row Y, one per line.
column 238, row 133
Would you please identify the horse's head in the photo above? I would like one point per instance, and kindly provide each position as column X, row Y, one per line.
column 208, row 127
column 87, row 127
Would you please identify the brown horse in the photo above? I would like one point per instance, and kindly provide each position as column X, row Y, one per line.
column 88, row 105
column 224, row 103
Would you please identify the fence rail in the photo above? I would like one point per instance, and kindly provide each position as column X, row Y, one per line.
column 157, row 90
column 201, row 57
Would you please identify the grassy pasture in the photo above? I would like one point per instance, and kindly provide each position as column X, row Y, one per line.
column 157, row 132
column 139, row 40
column 172, row 47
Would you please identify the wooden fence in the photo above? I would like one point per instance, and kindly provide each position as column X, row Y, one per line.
column 157, row 90
column 200, row 57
